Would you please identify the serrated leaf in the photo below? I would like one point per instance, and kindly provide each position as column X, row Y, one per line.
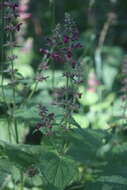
column 18, row 157
column 104, row 186
column 57, row 170
column 113, row 179
column 27, row 114
column 84, row 144
column 5, row 172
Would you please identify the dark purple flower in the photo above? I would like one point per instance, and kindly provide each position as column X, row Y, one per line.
column 75, row 35
column 14, row 6
column 44, row 51
column 66, row 39
column 63, row 41
column 69, row 54
column 13, row 28
column 17, row 27
column 77, row 45
column 56, row 56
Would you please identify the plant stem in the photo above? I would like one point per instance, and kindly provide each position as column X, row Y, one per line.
column 2, row 51
column 52, row 8
column 9, row 131
column 31, row 94
column 35, row 85
column 3, row 61
column 98, row 52
column 14, row 93
column 22, row 181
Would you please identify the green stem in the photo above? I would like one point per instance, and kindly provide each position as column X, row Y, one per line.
column 22, row 181
column 31, row 94
column 3, row 61
column 34, row 89
column 35, row 86
column 9, row 131
column 66, row 99
column 14, row 94
column 52, row 8
column 2, row 52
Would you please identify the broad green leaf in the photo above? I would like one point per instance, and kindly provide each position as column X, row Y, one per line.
column 5, row 172
column 104, row 186
column 57, row 170
column 27, row 113
column 18, row 157
column 113, row 179
column 84, row 144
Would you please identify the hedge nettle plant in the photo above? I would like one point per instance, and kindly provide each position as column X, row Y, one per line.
column 9, row 25
column 61, row 48
column 67, row 156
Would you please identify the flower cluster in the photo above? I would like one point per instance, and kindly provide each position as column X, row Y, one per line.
column 41, row 69
column 65, row 97
column 13, row 27
column 64, row 42
column 9, row 4
column 10, row 16
column 61, row 48
column 47, row 120
column 10, row 25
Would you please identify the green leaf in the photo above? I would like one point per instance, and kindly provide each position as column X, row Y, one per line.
column 57, row 170
column 5, row 172
column 114, row 170
column 27, row 114
column 84, row 144
column 105, row 186
column 22, row 159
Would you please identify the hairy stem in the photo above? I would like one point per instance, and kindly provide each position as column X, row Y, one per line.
column 52, row 9
column 14, row 93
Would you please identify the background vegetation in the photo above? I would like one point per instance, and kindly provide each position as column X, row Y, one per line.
column 62, row 128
